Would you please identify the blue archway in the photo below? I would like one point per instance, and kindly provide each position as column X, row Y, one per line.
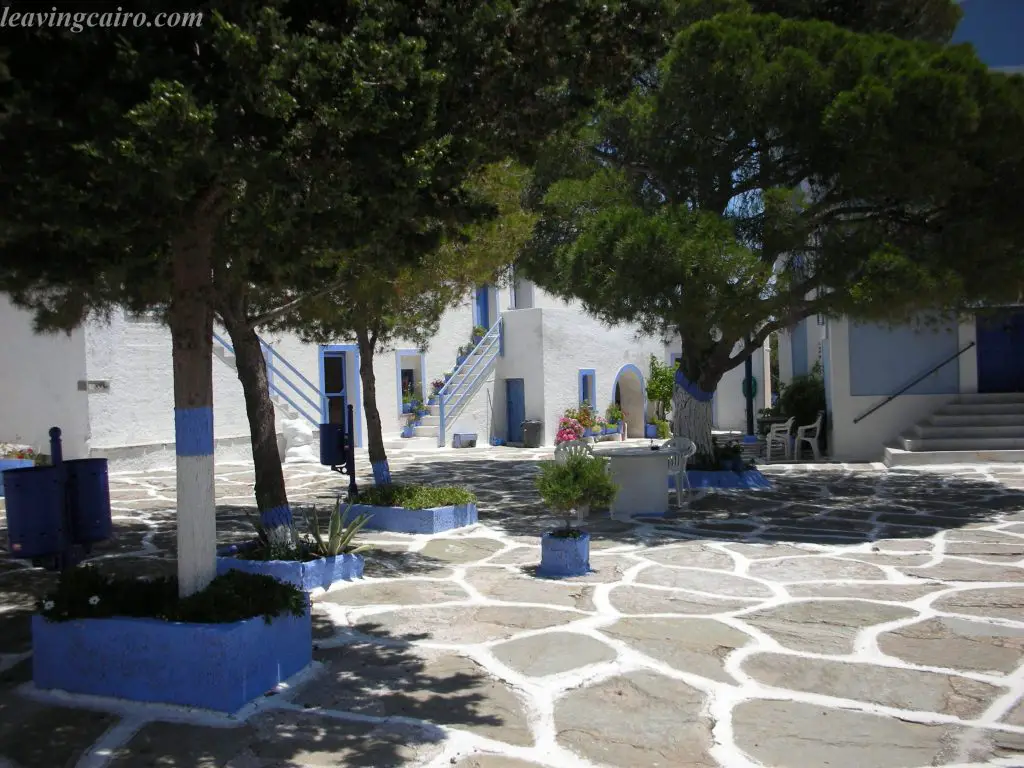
column 632, row 388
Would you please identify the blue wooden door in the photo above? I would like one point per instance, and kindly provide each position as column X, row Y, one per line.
column 335, row 397
column 483, row 309
column 515, row 407
column 1000, row 342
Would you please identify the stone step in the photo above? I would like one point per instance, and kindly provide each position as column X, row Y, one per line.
column 965, row 431
column 969, row 444
column 430, row 421
column 897, row 457
column 981, row 409
column 423, row 430
column 995, row 397
column 976, row 420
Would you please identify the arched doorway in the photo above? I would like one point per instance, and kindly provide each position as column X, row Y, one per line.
column 630, row 394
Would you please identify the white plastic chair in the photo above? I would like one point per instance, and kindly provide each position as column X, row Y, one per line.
column 681, row 450
column 572, row 448
column 809, row 434
column 779, row 435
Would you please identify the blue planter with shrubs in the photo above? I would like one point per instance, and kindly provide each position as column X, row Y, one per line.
column 562, row 556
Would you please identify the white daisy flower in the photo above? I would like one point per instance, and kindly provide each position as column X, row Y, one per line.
column 48, row 605
column 94, row 600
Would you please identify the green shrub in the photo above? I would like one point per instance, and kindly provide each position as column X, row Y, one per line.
column 664, row 429
column 340, row 532
column 661, row 382
column 613, row 414
column 415, row 496
column 86, row 592
column 580, row 480
column 803, row 397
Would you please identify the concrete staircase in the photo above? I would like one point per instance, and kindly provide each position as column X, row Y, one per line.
column 973, row 429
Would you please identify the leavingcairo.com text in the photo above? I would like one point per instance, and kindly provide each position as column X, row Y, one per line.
column 78, row 21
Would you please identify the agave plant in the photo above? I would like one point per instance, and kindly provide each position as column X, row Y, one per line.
column 339, row 533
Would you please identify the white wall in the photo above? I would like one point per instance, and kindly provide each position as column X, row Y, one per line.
column 138, row 410
column 574, row 341
column 524, row 359
column 866, row 440
column 39, row 377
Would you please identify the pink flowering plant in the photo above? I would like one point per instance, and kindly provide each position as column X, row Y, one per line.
column 568, row 430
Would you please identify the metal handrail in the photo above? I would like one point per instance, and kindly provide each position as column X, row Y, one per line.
column 919, row 379
column 271, row 383
column 446, row 396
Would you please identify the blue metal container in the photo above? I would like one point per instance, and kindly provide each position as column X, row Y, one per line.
column 332, row 445
column 35, row 512
column 89, row 500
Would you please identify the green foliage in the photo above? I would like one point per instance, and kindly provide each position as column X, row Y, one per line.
column 415, row 496
column 584, row 414
column 661, row 381
column 580, row 480
column 771, row 169
column 86, row 592
column 479, row 331
column 664, row 429
column 613, row 414
column 803, row 398
column 340, row 532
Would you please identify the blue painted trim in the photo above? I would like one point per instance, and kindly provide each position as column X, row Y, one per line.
column 351, row 370
column 798, row 349
column 401, row 520
column 630, row 368
column 381, row 472
column 193, row 431
column 581, row 381
column 321, row 573
column 399, row 354
column 276, row 517
column 563, row 556
column 692, row 389
column 698, row 478
column 211, row 666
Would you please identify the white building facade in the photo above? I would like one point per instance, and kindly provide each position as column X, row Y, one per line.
column 108, row 385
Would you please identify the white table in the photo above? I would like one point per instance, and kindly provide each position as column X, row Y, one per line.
column 642, row 477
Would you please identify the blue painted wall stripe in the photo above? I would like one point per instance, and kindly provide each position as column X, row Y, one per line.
column 193, row 431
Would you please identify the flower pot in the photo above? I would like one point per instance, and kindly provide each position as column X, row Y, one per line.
column 406, row 407
column 6, row 464
column 564, row 556
column 460, row 359
column 432, row 400
column 476, row 339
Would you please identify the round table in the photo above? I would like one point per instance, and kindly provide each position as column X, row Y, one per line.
column 642, row 477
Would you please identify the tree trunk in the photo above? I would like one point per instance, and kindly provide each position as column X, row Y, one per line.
column 374, row 435
column 191, row 321
column 691, row 414
column 271, row 496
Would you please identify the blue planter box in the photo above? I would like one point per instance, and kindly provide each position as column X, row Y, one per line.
column 591, row 432
column 407, row 431
column 401, row 520
column 406, row 407
column 6, row 464
column 612, row 429
column 212, row 666
column 564, row 556
column 315, row 574
column 725, row 479
column 651, row 431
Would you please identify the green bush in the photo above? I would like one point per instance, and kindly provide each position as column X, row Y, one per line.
column 661, row 382
column 415, row 496
column 613, row 414
column 86, row 592
column 664, row 429
column 802, row 398
column 580, row 480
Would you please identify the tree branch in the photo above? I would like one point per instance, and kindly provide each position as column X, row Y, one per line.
column 266, row 317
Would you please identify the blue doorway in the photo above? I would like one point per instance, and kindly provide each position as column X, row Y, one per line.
column 482, row 311
column 515, row 408
column 1000, row 340
column 334, row 394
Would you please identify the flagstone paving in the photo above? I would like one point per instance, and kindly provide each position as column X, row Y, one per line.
column 848, row 617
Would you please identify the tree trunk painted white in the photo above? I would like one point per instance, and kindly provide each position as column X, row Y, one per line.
column 691, row 418
column 197, row 527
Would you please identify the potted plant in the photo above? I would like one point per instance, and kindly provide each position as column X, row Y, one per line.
column 406, row 403
column 587, row 418
column 569, row 430
column 136, row 639
column 730, row 457
column 461, row 355
column 448, row 375
column 308, row 561
column 570, row 488
column 614, row 416
column 15, row 457
column 419, row 408
column 416, row 508
column 478, row 334
column 435, row 390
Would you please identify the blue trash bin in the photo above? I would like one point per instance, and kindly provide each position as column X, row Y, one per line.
column 89, row 500
column 332, row 445
column 35, row 512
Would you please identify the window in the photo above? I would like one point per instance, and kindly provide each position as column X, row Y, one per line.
column 587, row 382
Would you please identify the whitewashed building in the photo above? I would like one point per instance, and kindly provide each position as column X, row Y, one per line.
column 109, row 385
column 940, row 390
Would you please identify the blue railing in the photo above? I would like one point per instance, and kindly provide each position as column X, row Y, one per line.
column 456, row 391
column 275, row 375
